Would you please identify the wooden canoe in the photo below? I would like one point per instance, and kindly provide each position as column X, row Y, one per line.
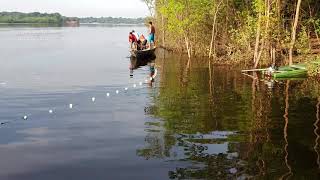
column 143, row 54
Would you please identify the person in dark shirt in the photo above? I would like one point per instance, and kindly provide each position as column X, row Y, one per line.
column 141, row 43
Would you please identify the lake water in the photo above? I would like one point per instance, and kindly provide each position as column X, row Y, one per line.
column 195, row 121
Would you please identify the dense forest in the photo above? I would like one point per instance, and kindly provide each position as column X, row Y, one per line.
column 250, row 31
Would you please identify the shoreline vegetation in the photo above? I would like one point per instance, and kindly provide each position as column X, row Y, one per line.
column 58, row 19
column 252, row 33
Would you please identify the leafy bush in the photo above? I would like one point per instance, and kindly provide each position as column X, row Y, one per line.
column 313, row 67
column 302, row 43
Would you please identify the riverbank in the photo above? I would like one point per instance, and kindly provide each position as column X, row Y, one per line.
column 247, row 63
column 255, row 34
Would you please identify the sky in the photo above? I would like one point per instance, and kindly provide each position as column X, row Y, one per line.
column 79, row 8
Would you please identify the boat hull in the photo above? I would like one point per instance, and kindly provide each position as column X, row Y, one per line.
column 143, row 54
column 293, row 71
column 299, row 73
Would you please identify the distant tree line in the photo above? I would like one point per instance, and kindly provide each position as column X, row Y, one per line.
column 112, row 20
column 58, row 19
column 35, row 17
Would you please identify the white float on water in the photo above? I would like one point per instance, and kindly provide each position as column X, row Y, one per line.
column 50, row 111
column 117, row 91
column 140, row 83
column 108, row 94
column 134, row 85
column 70, row 106
column 126, row 89
column 93, row 99
column 25, row 117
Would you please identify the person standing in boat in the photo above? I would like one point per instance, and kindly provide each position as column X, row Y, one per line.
column 152, row 32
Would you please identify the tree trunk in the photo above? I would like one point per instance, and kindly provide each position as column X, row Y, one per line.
column 187, row 46
column 212, row 38
column 256, row 48
column 163, row 31
column 264, row 37
column 213, row 30
column 294, row 31
column 273, row 51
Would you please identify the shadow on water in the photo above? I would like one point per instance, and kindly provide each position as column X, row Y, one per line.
column 214, row 123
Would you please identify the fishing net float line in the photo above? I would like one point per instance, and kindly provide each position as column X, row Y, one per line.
column 71, row 106
column 93, row 99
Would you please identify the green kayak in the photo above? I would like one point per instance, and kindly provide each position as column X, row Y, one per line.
column 292, row 73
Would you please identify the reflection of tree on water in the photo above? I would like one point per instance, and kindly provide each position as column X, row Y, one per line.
column 259, row 136
column 192, row 112
column 196, row 150
column 158, row 145
column 189, row 130
column 316, row 125
column 285, row 132
column 256, row 124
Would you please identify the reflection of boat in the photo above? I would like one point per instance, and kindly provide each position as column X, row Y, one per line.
column 143, row 54
column 136, row 62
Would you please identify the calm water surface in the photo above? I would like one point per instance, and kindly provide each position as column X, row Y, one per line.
column 195, row 121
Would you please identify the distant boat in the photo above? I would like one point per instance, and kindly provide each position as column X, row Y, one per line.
column 71, row 22
column 143, row 54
